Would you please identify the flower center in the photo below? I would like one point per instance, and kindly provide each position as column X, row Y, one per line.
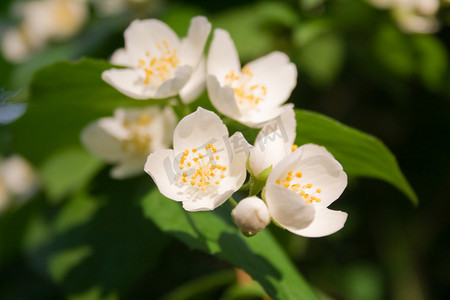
column 248, row 95
column 65, row 16
column 201, row 169
column 139, row 139
column 159, row 68
column 294, row 183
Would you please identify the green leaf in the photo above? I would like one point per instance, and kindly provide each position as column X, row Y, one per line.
column 14, row 222
column 394, row 51
column 64, row 98
column 57, row 177
column 306, row 32
column 100, row 241
column 321, row 51
column 258, row 182
column 432, row 60
column 265, row 25
column 359, row 153
column 200, row 286
column 260, row 256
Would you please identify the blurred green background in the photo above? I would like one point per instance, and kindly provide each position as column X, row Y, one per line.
column 357, row 65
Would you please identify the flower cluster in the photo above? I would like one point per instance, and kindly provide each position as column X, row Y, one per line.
column 127, row 138
column 18, row 181
column 291, row 185
column 412, row 16
column 42, row 21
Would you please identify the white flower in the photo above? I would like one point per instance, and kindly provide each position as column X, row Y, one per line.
column 253, row 95
column 301, row 187
column 54, row 19
column 127, row 138
column 110, row 8
column 274, row 141
column 411, row 21
column 251, row 215
column 159, row 64
column 415, row 16
column 205, row 167
column 43, row 21
column 17, row 180
column 14, row 47
column 424, row 7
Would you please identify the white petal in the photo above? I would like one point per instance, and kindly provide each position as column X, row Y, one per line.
column 222, row 98
column 192, row 46
column 196, row 84
column 311, row 150
column 132, row 166
column 17, row 177
column 322, row 170
column 172, row 86
column 14, row 46
column 251, row 215
column 144, row 35
column 120, row 57
column 259, row 117
column 326, row 222
column 278, row 74
column 159, row 166
column 288, row 122
column 199, row 129
column 207, row 203
column 287, row 208
column 274, row 141
column 114, row 127
column 285, row 165
column 222, row 56
column 237, row 173
column 100, row 143
column 265, row 154
column 128, row 82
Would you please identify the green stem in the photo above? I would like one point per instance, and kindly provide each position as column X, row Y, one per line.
column 245, row 186
column 232, row 201
column 256, row 186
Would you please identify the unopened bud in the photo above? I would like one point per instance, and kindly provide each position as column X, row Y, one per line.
column 251, row 215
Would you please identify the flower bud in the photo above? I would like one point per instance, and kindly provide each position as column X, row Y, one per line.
column 251, row 215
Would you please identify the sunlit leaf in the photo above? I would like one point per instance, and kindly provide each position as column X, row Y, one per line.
column 67, row 171
column 202, row 285
column 260, row 256
column 360, row 154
